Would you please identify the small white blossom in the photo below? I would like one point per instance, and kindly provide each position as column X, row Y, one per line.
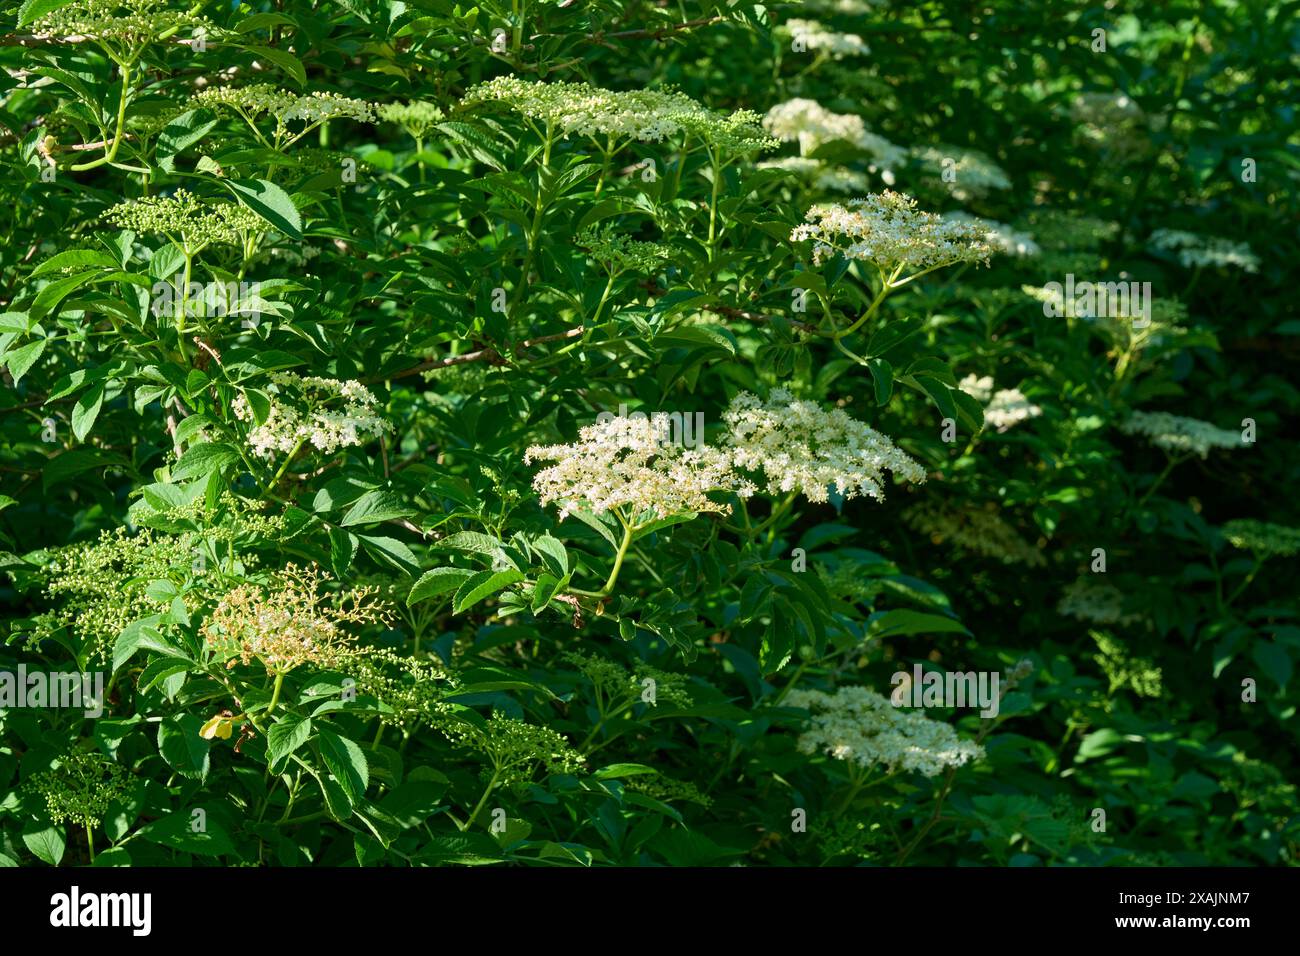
column 887, row 229
column 800, row 446
column 326, row 413
column 974, row 174
column 625, row 464
column 1002, row 236
column 812, row 125
column 861, row 726
column 1178, row 434
column 648, row 116
column 1095, row 601
column 1194, row 251
column 821, row 175
column 814, row 36
column 974, row 530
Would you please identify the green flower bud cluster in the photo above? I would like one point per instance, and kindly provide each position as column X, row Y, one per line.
column 101, row 587
column 615, row 684
column 1264, row 538
column 515, row 748
column 1125, row 671
column 618, row 254
column 262, row 100
column 80, row 788
column 123, row 27
column 416, row 117
column 190, row 223
column 667, row 789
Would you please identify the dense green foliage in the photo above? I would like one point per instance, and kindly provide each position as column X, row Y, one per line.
column 299, row 297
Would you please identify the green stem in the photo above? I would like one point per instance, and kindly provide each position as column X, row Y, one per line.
column 1259, row 563
column 618, row 559
column 536, row 228
column 1169, row 466
column 90, row 842
column 182, row 312
column 275, row 694
column 713, row 203
column 283, row 468
column 595, row 318
column 886, row 287
column 496, row 773
column 111, row 153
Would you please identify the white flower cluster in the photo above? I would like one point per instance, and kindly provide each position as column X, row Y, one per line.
column 624, row 464
column 811, row 35
column 861, row 726
column 1009, row 407
column 796, row 446
column 822, row 176
column 1263, row 537
column 975, row 530
column 970, row 174
column 1095, row 601
column 977, row 387
column 648, row 116
column 800, row 446
column 286, row 108
column 812, row 125
column 887, row 229
column 324, row 412
column 1003, row 408
column 1193, row 250
column 1178, row 434
column 1002, row 236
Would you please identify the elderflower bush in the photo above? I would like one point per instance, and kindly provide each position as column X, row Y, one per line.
column 519, row 435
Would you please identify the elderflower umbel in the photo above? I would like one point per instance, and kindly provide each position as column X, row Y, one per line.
column 1112, row 122
column 812, row 125
column 303, row 412
column 80, row 788
column 1178, row 434
column 623, row 464
column 887, row 229
column 1002, row 409
column 975, row 530
column 618, row 254
column 190, row 223
column 811, row 35
column 615, row 684
column 1001, row 235
column 416, row 117
column 822, row 176
column 286, row 108
column 1194, row 251
column 648, row 116
column 515, row 748
column 801, row 447
column 968, row 173
column 1095, row 601
column 1262, row 537
column 1008, row 408
column 288, row 624
column 861, row 726
column 122, row 27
